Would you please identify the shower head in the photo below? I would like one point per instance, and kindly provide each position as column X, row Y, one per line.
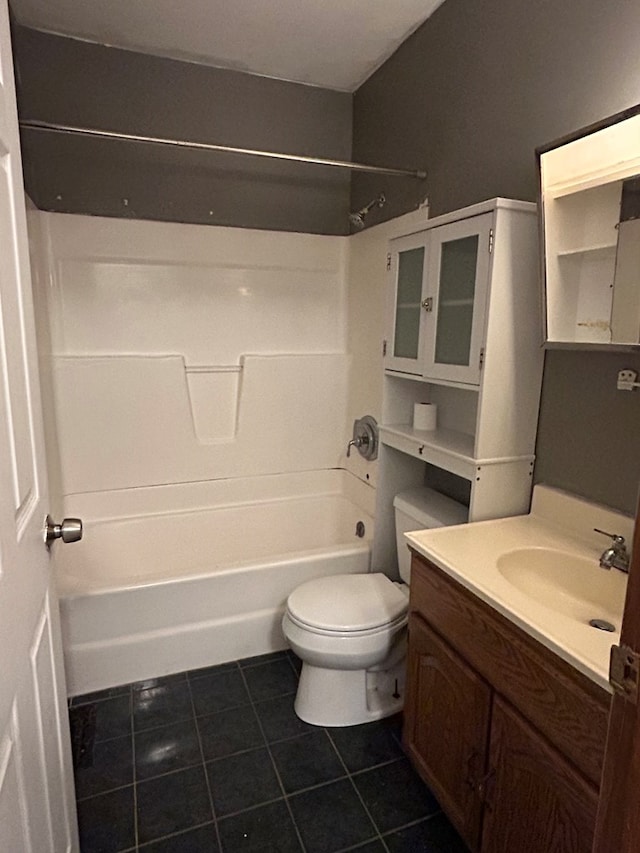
column 357, row 219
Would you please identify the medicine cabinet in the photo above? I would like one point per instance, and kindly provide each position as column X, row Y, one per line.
column 590, row 205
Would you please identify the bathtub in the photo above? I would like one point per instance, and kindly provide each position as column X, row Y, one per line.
column 179, row 577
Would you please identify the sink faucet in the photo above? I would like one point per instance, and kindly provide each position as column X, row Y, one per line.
column 616, row 555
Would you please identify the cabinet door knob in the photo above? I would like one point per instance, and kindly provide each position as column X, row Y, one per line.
column 485, row 788
column 427, row 304
column 472, row 770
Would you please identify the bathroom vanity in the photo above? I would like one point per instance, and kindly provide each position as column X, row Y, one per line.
column 509, row 737
column 507, row 686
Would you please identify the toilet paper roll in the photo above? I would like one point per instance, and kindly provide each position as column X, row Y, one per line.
column 425, row 416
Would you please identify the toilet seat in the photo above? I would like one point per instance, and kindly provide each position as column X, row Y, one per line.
column 359, row 604
column 367, row 632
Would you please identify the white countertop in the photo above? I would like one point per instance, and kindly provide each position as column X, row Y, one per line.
column 469, row 553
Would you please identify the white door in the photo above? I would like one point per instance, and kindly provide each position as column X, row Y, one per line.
column 37, row 807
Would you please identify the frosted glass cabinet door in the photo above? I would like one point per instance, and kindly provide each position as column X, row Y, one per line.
column 458, row 283
column 408, row 269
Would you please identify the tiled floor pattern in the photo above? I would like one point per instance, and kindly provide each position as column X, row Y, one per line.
column 216, row 760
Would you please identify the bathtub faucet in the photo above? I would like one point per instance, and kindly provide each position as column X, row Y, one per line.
column 365, row 437
column 359, row 441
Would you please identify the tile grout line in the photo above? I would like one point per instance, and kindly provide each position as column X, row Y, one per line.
column 355, row 847
column 293, row 666
column 254, row 704
column 204, row 766
column 273, row 763
column 355, row 788
column 349, row 776
column 170, row 835
column 233, row 755
column 135, row 775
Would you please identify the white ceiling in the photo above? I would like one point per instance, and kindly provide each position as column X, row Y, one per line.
column 332, row 43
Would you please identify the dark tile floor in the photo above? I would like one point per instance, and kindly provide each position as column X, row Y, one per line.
column 216, row 760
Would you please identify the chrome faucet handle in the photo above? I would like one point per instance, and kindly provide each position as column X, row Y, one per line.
column 616, row 556
column 365, row 438
column 617, row 539
column 358, row 441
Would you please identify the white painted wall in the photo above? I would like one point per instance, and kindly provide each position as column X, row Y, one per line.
column 184, row 353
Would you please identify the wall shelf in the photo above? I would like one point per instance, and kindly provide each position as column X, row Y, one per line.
column 448, row 449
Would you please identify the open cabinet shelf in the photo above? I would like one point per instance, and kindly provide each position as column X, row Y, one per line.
column 445, row 448
column 590, row 190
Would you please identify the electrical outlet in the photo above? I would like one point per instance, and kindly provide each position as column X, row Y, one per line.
column 627, row 380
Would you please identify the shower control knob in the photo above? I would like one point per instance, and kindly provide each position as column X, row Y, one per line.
column 69, row 531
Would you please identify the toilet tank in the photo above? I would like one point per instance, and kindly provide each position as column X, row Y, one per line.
column 418, row 509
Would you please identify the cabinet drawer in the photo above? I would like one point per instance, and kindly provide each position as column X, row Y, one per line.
column 560, row 702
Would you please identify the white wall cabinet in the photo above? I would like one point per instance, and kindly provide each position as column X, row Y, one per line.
column 590, row 190
column 464, row 332
column 439, row 281
column 407, row 263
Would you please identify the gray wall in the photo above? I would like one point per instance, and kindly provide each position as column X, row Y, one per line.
column 589, row 432
column 469, row 97
column 73, row 82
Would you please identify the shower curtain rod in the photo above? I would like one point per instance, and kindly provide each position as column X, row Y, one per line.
column 227, row 149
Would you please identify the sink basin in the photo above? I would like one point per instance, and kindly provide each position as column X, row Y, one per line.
column 567, row 583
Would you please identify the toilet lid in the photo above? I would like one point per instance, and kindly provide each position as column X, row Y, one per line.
column 347, row 602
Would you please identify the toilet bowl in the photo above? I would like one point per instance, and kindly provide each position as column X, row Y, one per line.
column 350, row 630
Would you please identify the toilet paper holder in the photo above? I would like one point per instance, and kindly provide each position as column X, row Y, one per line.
column 365, row 437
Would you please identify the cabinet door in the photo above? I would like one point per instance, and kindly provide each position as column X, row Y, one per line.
column 447, row 726
column 405, row 325
column 458, row 280
column 535, row 800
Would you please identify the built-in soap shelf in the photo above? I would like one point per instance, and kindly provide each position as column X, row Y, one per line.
column 149, row 420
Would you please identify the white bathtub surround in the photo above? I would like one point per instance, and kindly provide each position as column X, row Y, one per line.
column 184, row 352
column 203, row 576
column 204, row 392
column 127, row 421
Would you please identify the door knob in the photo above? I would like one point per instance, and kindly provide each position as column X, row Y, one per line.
column 69, row 531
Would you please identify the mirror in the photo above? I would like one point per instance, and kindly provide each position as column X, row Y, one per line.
column 590, row 206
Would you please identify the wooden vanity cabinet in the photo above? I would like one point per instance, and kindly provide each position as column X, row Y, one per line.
column 508, row 736
column 535, row 800
column 446, row 726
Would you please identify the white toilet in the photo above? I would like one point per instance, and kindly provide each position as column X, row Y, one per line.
column 350, row 630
